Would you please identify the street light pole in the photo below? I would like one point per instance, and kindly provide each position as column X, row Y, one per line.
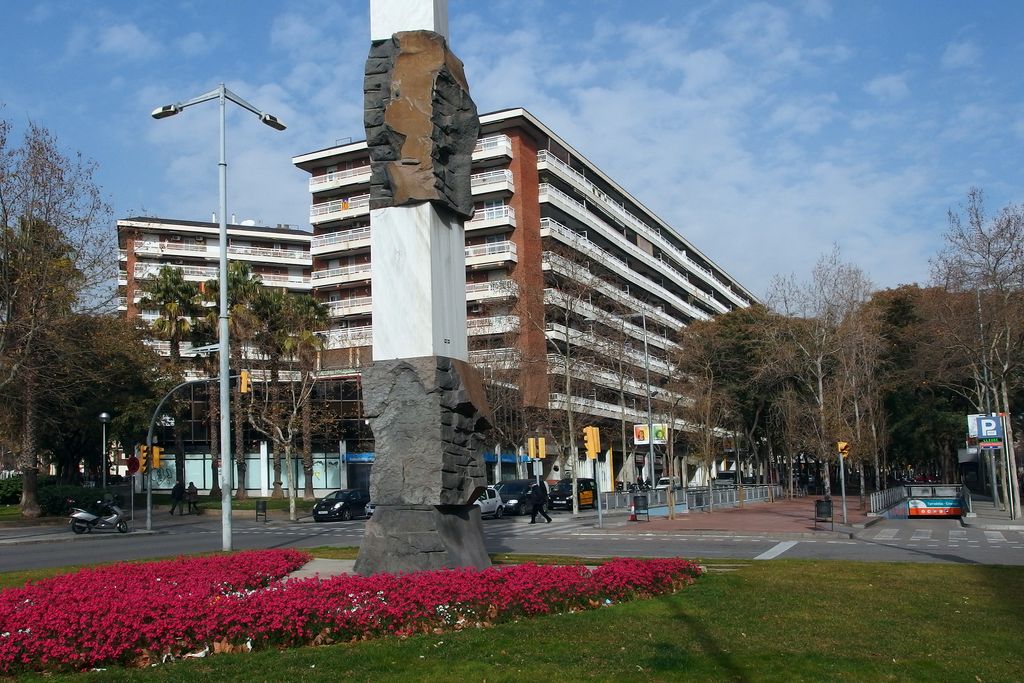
column 104, row 419
column 222, row 95
column 987, row 400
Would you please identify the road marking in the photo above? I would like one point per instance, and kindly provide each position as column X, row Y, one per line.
column 958, row 534
column 921, row 535
column 776, row 551
column 886, row 534
column 994, row 537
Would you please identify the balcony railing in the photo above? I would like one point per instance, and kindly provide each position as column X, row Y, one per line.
column 354, row 204
column 494, row 213
column 268, row 252
column 499, row 177
column 293, row 280
column 153, row 247
column 341, row 237
column 349, row 336
column 493, row 288
column 347, row 306
column 337, row 177
column 356, row 269
column 147, row 270
column 494, row 145
column 492, row 248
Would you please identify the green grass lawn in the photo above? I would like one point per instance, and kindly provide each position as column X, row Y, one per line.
column 765, row 621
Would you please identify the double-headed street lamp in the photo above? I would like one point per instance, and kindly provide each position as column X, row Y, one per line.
column 222, row 94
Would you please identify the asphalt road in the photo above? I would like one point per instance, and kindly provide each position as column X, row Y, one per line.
column 927, row 540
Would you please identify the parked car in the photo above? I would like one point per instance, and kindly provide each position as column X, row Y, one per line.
column 561, row 494
column 343, row 504
column 666, row 482
column 515, row 495
column 490, row 503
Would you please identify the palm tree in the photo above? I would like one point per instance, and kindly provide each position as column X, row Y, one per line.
column 177, row 301
column 243, row 288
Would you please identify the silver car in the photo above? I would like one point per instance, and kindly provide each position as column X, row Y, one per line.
column 490, row 504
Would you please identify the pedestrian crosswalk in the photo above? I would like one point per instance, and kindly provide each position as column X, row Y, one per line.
column 952, row 537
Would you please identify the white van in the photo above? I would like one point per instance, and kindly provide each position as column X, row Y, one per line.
column 665, row 482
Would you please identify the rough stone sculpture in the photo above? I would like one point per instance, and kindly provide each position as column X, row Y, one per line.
column 428, row 416
column 421, row 124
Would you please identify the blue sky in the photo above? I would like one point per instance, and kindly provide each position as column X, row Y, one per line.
column 763, row 132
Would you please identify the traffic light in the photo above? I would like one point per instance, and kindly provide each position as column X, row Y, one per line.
column 535, row 448
column 244, row 382
column 157, row 452
column 844, row 448
column 143, row 458
column 541, row 452
column 592, row 441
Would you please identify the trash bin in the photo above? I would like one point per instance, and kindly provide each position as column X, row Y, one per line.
column 261, row 509
column 823, row 511
column 639, row 507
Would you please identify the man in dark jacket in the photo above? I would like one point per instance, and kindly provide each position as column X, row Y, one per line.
column 538, row 497
column 178, row 498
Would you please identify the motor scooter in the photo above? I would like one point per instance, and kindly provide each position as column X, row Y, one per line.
column 109, row 516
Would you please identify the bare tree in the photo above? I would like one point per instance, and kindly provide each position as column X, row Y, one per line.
column 986, row 255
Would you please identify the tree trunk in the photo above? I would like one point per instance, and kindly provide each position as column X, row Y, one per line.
column 29, row 463
column 307, row 451
column 238, row 418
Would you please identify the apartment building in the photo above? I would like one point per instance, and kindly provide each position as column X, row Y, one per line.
column 279, row 255
column 559, row 260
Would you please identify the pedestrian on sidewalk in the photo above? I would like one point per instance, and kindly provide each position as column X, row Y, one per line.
column 538, row 497
column 177, row 498
column 192, row 498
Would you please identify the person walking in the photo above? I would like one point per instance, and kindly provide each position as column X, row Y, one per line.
column 538, row 497
column 177, row 498
column 192, row 498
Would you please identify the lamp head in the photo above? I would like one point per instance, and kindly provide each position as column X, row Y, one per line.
column 268, row 119
column 104, row 417
column 165, row 111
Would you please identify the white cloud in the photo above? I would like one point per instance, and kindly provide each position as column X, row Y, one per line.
column 126, row 40
column 888, row 88
column 960, row 54
column 195, row 44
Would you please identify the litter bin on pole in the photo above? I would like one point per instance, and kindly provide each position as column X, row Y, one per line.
column 823, row 513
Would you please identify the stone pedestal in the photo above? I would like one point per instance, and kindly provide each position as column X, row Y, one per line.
column 428, row 416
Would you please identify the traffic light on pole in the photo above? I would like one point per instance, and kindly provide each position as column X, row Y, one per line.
column 244, row 382
column 592, row 441
column 541, row 452
column 157, row 452
column 844, row 448
column 143, row 458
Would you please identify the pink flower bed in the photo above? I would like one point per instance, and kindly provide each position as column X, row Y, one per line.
column 134, row 614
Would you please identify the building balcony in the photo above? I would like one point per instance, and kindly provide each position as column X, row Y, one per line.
column 173, row 248
column 493, row 147
column 360, row 305
column 548, row 161
column 122, row 254
column 342, row 275
column 341, row 241
column 493, row 217
column 338, row 179
column 348, row 337
column 495, row 289
column 493, row 253
column 340, row 209
column 500, row 324
column 268, row 254
column 300, row 282
column 144, row 271
column 491, row 182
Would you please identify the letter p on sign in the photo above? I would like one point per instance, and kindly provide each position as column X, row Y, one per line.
column 989, row 427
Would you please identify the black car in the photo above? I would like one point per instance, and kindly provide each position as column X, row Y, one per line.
column 344, row 505
column 560, row 495
column 515, row 495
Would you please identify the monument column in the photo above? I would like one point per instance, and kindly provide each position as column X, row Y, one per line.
column 425, row 403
